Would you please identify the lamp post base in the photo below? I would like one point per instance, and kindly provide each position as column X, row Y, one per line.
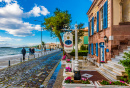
column 77, row 75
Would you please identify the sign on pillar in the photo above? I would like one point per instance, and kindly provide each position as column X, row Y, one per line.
column 68, row 42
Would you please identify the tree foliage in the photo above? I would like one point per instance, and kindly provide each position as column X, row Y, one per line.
column 55, row 23
column 126, row 63
column 43, row 43
column 80, row 32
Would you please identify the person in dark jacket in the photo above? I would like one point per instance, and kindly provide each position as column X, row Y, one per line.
column 45, row 49
column 30, row 51
column 50, row 49
column 23, row 52
column 33, row 50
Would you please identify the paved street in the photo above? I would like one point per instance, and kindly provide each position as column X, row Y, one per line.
column 31, row 73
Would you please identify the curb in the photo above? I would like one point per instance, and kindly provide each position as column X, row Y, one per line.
column 49, row 76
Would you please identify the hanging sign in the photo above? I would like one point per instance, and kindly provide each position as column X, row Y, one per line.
column 68, row 42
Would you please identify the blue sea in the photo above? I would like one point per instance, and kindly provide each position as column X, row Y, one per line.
column 12, row 51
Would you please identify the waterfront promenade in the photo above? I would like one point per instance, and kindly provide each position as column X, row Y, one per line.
column 15, row 59
column 30, row 73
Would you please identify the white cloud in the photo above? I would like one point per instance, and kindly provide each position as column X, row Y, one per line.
column 2, row 39
column 11, row 19
column 6, row 39
column 37, row 11
column 32, row 44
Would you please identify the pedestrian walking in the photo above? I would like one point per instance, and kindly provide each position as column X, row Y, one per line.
column 45, row 49
column 33, row 51
column 50, row 49
column 23, row 52
column 30, row 51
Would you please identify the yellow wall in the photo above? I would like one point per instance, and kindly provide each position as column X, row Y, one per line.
column 126, row 11
column 116, row 12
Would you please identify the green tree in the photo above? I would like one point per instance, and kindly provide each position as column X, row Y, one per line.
column 80, row 32
column 83, row 47
column 56, row 23
column 43, row 43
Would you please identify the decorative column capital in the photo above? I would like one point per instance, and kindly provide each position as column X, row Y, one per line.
column 121, row 3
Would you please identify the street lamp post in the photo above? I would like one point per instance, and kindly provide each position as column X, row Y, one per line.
column 77, row 75
column 41, row 34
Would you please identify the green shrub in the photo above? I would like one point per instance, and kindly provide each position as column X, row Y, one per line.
column 126, row 63
column 80, row 53
column 83, row 47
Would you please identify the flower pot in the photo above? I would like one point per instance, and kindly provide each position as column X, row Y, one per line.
column 74, row 85
column 63, row 62
column 69, row 65
column 98, row 85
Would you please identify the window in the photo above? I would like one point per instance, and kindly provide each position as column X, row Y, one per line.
column 90, row 27
column 95, row 25
column 101, row 15
column 94, row 49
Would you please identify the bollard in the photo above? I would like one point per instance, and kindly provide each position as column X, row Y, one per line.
column 38, row 55
column 28, row 57
column 9, row 62
column 20, row 59
column 41, row 86
column 34, row 56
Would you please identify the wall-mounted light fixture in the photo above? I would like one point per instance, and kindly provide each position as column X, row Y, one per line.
column 105, row 39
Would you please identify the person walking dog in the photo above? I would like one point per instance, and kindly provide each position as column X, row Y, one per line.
column 23, row 52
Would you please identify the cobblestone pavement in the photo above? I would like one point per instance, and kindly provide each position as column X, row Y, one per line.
column 59, row 79
column 29, row 74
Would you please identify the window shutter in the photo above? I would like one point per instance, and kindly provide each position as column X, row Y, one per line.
column 92, row 25
column 89, row 48
column 92, row 48
column 88, row 28
column 98, row 21
column 96, row 49
column 105, row 15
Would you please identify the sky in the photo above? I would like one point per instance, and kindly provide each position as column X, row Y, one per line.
column 17, row 25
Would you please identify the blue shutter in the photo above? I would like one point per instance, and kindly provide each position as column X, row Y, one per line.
column 92, row 25
column 92, row 48
column 88, row 28
column 105, row 15
column 89, row 48
column 98, row 21
column 96, row 49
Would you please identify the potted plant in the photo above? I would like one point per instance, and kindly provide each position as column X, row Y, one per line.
column 63, row 60
column 108, row 84
column 68, row 61
column 68, row 69
column 68, row 80
column 85, row 81
column 102, row 61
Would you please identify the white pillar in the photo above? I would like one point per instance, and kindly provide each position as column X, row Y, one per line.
column 76, row 49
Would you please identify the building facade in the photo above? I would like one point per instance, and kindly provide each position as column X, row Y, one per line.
column 109, row 28
column 84, row 38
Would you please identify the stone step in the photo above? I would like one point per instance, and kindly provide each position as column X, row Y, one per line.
column 116, row 64
column 127, row 51
column 105, row 75
column 112, row 74
column 128, row 46
column 114, row 69
column 121, row 54
column 119, row 58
